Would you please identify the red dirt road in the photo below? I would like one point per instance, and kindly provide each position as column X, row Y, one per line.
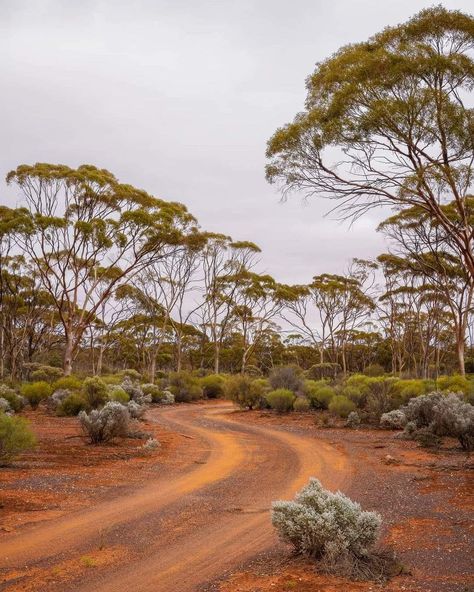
column 186, row 527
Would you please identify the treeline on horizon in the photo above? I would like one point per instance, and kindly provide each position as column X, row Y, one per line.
column 97, row 276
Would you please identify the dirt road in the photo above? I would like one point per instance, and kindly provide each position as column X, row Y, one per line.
column 198, row 518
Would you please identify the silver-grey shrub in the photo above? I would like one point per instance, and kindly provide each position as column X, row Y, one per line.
column 452, row 416
column 5, row 406
column 135, row 410
column 135, row 392
column 326, row 525
column 57, row 398
column 393, row 420
column 167, row 398
column 353, row 420
column 102, row 425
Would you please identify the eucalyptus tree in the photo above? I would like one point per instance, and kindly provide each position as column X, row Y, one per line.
column 414, row 314
column 428, row 253
column 226, row 264
column 257, row 300
column 327, row 310
column 390, row 122
column 87, row 234
column 175, row 282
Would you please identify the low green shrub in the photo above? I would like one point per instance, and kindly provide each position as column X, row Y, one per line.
column 36, row 392
column 301, row 404
column 15, row 437
column 116, row 393
column 244, row 391
column 184, row 387
column 73, row 404
column 46, row 374
column 70, row 383
column 454, row 384
column 407, row 389
column 281, row 400
column 374, row 370
column 95, row 391
column 212, row 386
column 320, row 396
column 355, row 394
column 341, row 406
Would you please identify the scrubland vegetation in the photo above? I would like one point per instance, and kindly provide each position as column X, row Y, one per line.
column 113, row 301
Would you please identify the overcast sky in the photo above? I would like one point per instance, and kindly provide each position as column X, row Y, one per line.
column 179, row 97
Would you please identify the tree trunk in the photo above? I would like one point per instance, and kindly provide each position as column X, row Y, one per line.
column 460, row 354
column 216, row 357
column 178, row 354
column 100, row 359
column 68, row 353
column 153, row 368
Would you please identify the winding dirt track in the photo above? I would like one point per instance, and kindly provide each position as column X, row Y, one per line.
column 195, row 521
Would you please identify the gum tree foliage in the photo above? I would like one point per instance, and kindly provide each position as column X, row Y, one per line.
column 226, row 265
column 341, row 304
column 430, row 255
column 386, row 122
column 86, row 234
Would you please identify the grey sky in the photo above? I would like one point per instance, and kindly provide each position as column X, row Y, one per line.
column 179, row 98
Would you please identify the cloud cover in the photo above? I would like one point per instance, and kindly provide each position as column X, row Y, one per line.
column 179, row 98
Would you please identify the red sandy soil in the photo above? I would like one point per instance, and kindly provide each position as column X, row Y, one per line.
column 193, row 515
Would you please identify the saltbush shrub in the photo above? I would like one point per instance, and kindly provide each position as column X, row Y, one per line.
column 301, row 404
column 167, row 398
column 341, row 406
column 353, row 420
column 286, row 377
column 15, row 437
column 135, row 410
column 35, row 392
column 5, row 407
column 420, row 410
column 454, row 417
column 212, row 386
column 281, row 400
column 325, row 525
column 244, row 391
column 56, row 399
column 73, row 404
column 393, row 420
column 102, row 425
column 15, row 401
